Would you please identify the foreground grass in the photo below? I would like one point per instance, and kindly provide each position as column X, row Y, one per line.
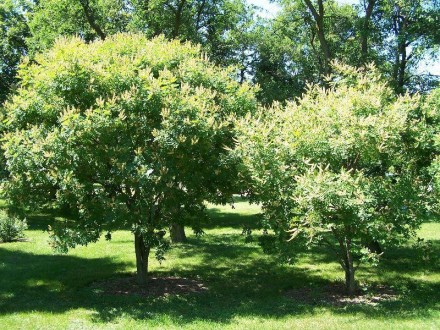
column 40, row 290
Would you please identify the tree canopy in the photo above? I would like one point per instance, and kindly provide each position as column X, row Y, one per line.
column 341, row 166
column 126, row 132
column 282, row 54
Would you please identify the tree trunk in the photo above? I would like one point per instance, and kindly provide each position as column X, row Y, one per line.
column 91, row 19
column 142, row 252
column 177, row 233
column 374, row 247
column 402, row 69
column 400, row 25
column 349, row 280
column 349, row 269
column 178, row 19
column 365, row 33
column 318, row 16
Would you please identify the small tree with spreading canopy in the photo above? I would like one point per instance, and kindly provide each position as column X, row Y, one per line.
column 342, row 166
column 126, row 132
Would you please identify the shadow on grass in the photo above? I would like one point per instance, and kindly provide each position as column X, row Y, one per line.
column 41, row 221
column 409, row 260
column 240, row 281
column 47, row 282
column 219, row 218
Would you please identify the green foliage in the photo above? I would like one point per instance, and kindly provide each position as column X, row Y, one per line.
column 13, row 32
column 51, row 19
column 431, row 108
column 290, row 54
column 294, row 48
column 127, row 132
column 341, row 167
column 412, row 28
column 213, row 24
column 11, row 228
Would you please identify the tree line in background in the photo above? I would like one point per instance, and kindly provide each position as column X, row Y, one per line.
column 282, row 54
column 137, row 130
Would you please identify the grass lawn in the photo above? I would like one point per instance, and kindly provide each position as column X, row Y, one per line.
column 245, row 288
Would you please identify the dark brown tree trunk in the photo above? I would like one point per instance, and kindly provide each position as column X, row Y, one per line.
column 142, row 253
column 350, row 281
column 402, row 69
column 318, row 16
column 365, row 33
column 349, row 269
column 178, row 18
column 91, row 18
column 400, row 23
column 177, row 233
column 374, row 247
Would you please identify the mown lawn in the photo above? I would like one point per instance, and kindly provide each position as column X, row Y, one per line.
column 245, row 288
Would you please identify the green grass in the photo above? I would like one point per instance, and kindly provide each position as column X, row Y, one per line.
column 41, row 290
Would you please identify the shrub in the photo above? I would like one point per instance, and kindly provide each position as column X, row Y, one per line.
column 11, row 228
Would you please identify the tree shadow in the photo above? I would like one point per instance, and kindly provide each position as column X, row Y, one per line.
column 410, row 260
column 218, row 218
column 47, row 282
column 240, row 281
column 243, row 284
column 41, row 221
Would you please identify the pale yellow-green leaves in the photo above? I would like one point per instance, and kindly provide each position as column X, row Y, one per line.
column 340, row 166
column 116, row 129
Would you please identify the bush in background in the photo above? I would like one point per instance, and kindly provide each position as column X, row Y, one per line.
column 11, row 228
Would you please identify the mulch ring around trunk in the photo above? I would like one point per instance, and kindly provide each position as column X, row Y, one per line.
column 156, row 287
column 23, row 239
column 335, row 294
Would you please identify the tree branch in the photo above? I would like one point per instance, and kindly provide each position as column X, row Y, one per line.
column 91, row 18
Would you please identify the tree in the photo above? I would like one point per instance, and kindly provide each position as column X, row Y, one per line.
column 13, row 34
column 414, row 27
column 298, row 45
column 365, row 31
column 90, row 19
column 123, row 131
column 341, row 166
column 209, row 23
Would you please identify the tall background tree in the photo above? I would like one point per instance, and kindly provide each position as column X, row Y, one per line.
column 282, row 54
column 13, row 33
column 412, row 29
column 306, row 35
column 89, row 19
column 298, row 45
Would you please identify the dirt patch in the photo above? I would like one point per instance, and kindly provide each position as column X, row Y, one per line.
column 156, row 287
column 16, row 240
column 334, row 294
